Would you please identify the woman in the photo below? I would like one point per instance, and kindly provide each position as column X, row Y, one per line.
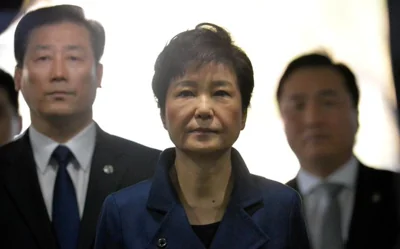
column 202, row 194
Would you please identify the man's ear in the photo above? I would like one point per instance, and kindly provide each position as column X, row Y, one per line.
column 18, row 125
column 99, row 74
column 356, row 123
column 17, row 78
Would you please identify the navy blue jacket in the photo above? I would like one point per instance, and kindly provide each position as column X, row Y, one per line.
column 261, row 214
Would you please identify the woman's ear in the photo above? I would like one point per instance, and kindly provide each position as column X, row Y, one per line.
column 244, row 119
column 162, row 116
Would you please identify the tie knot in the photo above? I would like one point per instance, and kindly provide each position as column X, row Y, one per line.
column 332, row 189
column 62, row 155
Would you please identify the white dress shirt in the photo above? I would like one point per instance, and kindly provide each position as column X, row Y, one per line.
column 81, row 146
column 315, row 199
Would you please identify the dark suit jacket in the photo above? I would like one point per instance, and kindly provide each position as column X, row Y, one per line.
column 374, row 222
column 23, row 216
column 261, row 214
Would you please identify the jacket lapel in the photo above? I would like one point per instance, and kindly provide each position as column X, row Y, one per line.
column 246, row 199
column 373, row 196
column 237, row 223
column 175, row 230
column 101, row 183
column 170, row 218
column 359, row 209
column 23, row 185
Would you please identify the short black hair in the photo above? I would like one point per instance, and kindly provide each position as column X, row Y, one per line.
column 53, row 15
column 321, row 60
column 205, row 43
column 7, row 84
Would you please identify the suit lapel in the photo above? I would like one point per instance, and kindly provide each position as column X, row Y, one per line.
column 359, row 207
column 23, row 185
column 101, row 183
column 367, row 204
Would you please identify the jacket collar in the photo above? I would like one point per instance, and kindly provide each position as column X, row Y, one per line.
column 170, row 222
column 163, row 196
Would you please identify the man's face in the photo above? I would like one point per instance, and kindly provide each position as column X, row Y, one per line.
column 59, row 76
column 319, row 116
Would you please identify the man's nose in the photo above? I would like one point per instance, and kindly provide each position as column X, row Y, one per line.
column 313, row 114
column 59, row 71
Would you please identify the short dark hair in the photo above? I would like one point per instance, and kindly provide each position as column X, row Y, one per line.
column 53, row 15
column 7, row 84
column 321, row 60
column 205, row 43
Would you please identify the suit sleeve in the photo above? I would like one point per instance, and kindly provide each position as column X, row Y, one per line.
column 298, row 235
column 109, row 230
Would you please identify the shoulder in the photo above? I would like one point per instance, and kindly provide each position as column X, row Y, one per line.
column 10, row 155
column 273, row 188
column 385, row 181
column 126, row 205
column 382, row 178
column 131, row 199
column 123, row 214
column 127, row 146
column 293, row 183
column 276, row 194
column 12, row 150
column 377, row 174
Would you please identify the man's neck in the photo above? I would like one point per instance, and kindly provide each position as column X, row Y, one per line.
column 324, row 167
column 204, row 183
column 61, row 129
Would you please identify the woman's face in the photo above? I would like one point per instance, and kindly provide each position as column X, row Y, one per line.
column 203, row 109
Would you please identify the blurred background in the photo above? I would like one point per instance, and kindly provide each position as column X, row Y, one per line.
column 360, row 33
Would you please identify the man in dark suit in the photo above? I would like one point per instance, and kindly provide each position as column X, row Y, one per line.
column 347, row 204
column 53, row 180
column 10, row 120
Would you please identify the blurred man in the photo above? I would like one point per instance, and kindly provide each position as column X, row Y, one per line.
column 347, row 204
column 55, row 177
column 10, row 120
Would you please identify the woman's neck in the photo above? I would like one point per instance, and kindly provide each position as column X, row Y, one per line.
column 204, row 183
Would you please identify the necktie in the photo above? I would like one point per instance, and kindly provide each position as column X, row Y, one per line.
column 331, row 231
column 66, row 220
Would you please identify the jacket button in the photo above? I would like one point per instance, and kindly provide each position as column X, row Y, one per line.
column 162, row 242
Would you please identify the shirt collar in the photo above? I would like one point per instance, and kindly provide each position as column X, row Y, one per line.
column 345, row 175
column 81, row 146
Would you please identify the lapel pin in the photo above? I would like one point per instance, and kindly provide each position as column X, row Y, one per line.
column 108, row 169
column 376, row 197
